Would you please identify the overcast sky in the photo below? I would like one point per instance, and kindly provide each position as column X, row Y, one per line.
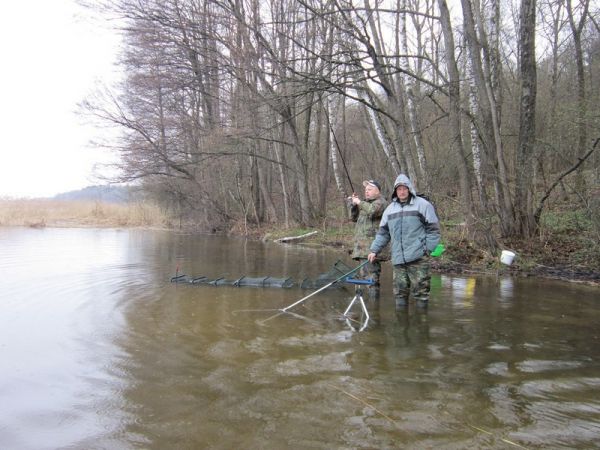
column 52, row 57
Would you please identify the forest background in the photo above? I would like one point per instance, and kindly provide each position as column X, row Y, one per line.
column 254, row 115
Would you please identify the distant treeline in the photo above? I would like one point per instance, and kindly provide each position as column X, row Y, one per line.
column 273, row 112
column 106, row 194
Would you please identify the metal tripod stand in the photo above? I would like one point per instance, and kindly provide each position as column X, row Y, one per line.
column 358, row 297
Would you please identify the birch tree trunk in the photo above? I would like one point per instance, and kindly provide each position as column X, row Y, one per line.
column 279, row 154
column 488, row 126
column 411, row 86
column 379, row 128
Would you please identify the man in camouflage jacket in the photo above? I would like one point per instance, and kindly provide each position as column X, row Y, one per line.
column 367, row 214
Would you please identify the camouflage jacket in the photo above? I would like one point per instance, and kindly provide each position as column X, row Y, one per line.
column 367, row 216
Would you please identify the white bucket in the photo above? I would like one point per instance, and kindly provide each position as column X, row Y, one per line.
column 507, row 257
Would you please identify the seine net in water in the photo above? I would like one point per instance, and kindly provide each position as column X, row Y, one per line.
column 336, row 271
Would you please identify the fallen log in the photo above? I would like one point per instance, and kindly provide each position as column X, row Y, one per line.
column 295, row 238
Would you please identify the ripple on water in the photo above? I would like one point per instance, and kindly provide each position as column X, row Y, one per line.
column 562, row 412
column 563, row 387
column 342, row 336
column 555, row 425
column 537, row 366
column 499, row 347
column 498, row 368
column 332, row 362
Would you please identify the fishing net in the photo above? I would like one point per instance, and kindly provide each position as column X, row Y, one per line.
column 240, row 282
column 336, row 271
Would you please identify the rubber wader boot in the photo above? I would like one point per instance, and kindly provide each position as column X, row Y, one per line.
column 374, row 292
column 401, row 303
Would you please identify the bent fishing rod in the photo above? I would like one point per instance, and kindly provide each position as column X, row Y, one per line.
column 337, row 146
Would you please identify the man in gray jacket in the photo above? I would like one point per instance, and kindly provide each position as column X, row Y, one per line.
column 412, row 226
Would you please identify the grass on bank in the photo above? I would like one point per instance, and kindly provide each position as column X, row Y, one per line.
column 39, row 213
column 567, row 244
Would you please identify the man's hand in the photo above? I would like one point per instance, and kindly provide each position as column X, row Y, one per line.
column 355, row 199
column 372, row 257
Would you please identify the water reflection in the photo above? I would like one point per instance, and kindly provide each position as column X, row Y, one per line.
column 463, row 290
column 506, row 289
column 99, row 350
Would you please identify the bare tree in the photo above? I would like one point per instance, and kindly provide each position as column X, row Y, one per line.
column 276, row 105
column 525, row 152
column 577, row 27
column 454, row 101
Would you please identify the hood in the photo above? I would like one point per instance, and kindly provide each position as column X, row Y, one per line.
column 403, row 179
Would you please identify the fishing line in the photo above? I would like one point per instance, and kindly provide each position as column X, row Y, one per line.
column 254, row 310
column 492, row 434
column 364, row 403
column 349, row 394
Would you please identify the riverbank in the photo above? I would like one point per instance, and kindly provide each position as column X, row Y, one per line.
column 556, row 258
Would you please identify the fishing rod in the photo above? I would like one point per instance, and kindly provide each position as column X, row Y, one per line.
column 337, row 145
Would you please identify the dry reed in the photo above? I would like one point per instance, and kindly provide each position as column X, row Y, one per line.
column 40, row 213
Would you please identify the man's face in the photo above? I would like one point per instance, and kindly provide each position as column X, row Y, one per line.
column 371, row 192
column 402, row 192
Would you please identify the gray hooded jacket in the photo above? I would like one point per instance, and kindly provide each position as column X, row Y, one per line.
column 412, row 227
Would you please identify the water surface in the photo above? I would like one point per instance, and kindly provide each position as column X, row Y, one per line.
column 99, row 350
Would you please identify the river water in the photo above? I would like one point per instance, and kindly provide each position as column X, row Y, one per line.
column 99, row 350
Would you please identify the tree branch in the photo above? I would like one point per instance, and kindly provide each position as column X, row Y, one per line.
column 538, row 211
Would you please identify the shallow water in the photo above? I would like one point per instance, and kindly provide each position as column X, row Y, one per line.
column 99, row 350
